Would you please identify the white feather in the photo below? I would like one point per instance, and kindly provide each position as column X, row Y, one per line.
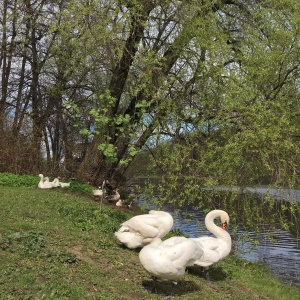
column 169, row 259
column 142, row 229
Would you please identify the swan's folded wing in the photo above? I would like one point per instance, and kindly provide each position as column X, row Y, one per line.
column 208, row 243
column 174, row 240
column 186, row 253
column 208, row 258
column 158, row 262
column 144, row 225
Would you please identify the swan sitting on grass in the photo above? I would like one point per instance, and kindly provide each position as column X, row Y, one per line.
column 115, row 197
column 142, row 229
column 44, row 184
column 98, row 193
column 55, row 182
column 64, row 184
column 119, row 203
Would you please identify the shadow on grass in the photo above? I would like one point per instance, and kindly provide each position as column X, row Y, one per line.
column 168, row 288
column 214, row 273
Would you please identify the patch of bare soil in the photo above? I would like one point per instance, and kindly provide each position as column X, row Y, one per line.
column 83, row 255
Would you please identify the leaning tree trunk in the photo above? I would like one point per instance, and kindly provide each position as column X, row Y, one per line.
column 94, row 168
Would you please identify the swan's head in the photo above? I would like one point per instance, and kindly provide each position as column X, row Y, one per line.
column 224, row 225
column 41, row 175
column 224, row 219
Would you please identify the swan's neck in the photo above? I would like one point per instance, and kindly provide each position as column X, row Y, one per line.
column 212, row 227
column 155, row 242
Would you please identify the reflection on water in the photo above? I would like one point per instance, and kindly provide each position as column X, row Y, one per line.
column 278, row 249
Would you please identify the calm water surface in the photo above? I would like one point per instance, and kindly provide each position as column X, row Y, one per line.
column 277, row 249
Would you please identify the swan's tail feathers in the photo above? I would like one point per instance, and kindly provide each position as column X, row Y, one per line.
column 129, row 239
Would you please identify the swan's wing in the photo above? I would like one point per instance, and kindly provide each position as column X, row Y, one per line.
column 208, row 243
column 168, row 259
column 45, row 185
column 158, row 213
column 97, row 192
column 214, row 250
column 158, row 262
column 130, row 239
column 55, row 182
column 146, row 225
column 182, row 254
column 174, row 240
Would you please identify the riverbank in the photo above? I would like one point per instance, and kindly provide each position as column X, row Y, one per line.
column 57, row 245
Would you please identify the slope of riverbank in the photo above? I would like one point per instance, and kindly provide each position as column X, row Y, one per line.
column 57, row 245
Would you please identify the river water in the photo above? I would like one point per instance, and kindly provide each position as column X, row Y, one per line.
column 276, row 248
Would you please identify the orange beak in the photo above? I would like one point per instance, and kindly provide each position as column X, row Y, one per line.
column 224, row 225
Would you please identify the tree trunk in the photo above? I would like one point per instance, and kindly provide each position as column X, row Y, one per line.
column 94, row 168
column 37, row 119
column 5, row 67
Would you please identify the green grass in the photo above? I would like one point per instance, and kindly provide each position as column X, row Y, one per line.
column 55, row 244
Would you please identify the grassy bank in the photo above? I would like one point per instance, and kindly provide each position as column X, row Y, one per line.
column 57, row 245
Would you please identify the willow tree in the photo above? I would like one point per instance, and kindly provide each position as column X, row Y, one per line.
column 215, row 82
column 144, row 50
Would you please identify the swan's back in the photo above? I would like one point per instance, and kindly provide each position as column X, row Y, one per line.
column 140, row 230
column 55, row 182
column 169, row 259
column 98, row 192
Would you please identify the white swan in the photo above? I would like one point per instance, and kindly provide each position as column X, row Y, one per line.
column 115, row 197
column 64, row 184
column 119, row 203
column 169, row 259
column 55, row 182
column 218, row 247
column 98, row 193
column 43, row 184
column 142, row 229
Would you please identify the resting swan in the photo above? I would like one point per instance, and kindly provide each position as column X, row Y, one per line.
column 98, row 193
column 169, row 259
column 218, row 247
column 142, row 229
column 119, row 203
column 55, row 182
column 44, row 185
column 64, row 184
column 115, row 197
